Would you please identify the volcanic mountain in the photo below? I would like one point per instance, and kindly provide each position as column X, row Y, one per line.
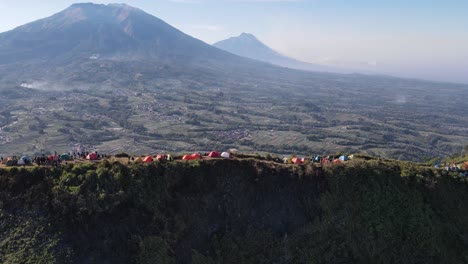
column 247, row 45
column 86, row 36
column 92, row 30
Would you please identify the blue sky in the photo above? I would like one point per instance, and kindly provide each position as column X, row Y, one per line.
column 411, row 38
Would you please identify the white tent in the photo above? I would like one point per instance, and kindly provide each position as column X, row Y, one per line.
column 225, row 155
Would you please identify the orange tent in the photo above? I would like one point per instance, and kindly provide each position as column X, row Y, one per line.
column 214, row 154
column 297, row 161
column 196, row 156
column 148, row 159
column 92, row 156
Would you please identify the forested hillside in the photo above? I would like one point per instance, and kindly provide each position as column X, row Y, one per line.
column 233, row 211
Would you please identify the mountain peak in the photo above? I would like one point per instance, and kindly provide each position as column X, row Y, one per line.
column 93, row 5
column 247, row 45
column 247, row 35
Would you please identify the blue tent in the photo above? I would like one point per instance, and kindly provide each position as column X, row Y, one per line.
column 26, row 159
column 344, row 158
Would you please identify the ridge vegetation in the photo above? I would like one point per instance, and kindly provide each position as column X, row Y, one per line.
column 233, row 211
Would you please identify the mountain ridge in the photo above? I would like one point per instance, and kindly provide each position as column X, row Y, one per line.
column 233, row 211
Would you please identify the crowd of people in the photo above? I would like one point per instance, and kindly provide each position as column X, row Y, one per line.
column 50, row 160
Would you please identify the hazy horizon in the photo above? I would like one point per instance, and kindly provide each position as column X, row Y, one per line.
column 420, row 39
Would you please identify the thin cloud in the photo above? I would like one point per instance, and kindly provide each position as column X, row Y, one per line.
column 267, row 1
column 186, row 1
column 207, row 27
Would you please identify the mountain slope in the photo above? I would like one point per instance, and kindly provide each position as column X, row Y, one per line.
column 87, row 30
column 247, row 45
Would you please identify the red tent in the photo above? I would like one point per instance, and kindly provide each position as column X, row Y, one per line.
column 187, row 157
column 297, row 161
column 92, row 156
column 191, row 157
column 214, row 154
column 160, row 157
column 148, row 159
column 336, row 161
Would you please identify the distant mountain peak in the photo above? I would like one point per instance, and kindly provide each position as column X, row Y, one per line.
column 247, row 45
column 246, row 35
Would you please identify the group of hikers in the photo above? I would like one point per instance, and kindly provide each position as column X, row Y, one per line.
column 453, row 167
column 49, row 160
column 318, row 159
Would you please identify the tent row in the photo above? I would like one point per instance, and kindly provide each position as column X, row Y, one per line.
column 150, row 159
column 212, row 154
column 317, row 159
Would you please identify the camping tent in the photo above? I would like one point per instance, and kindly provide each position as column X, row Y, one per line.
column 26, row 160
column 187, row 157
column 225, row 155
column 148, row 159
column 138, row 160
column 169, row 157
column 92, row 156
column 191, row 157
column 344, row 158
column 65, row 156
column 160, row 157
column 465, row 166
column 297, row 161
column 21, row 162
column 11, row 162
column 214, row 154
column 337, row 161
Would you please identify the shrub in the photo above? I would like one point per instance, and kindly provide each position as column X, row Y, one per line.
column 122, row 155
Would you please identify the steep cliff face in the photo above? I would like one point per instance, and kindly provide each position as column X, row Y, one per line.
column 232, row 211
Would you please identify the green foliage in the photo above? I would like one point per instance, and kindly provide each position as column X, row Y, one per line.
column 122, row 155
column 154, row 250
column 233, row 211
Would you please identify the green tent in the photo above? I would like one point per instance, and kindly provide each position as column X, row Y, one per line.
column 65, row 156
column 11, row 163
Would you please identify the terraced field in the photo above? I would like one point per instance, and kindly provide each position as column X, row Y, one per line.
column 386, row 117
